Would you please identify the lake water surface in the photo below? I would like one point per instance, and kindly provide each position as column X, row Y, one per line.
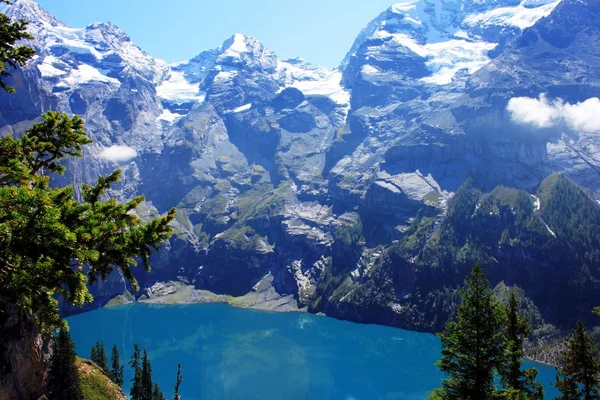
column 230, row 353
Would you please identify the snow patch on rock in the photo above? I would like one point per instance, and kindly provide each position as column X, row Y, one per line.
column 522, row 16
column 169, row 116
column 329, row 86
column 245, row 107
column 177, row 89
column 48, row 68
column 536, row 203
column 86, row 73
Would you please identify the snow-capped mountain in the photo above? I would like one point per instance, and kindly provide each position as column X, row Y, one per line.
column 266, row 159
column 451, row 36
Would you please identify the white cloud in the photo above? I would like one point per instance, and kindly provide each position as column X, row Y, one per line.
column 584, row 116
column 544, row 113
column 118, row 153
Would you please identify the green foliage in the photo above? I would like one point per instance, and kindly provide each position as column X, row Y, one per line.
column 485, row 340
column 12, row 55
column 142, row 387
column 63, row 378
column 136, row 381
column 473, row 345
column 157, row 394
column 146, row 382
column 47, row 237
column 566, row 206
column 98, row 355
column 117, row 369
column 513, row 378
column 95, row 385
column 517, row 330
column 579, row 370
column 350, row 235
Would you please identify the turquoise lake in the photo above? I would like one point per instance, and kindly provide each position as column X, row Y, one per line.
column 230, row 353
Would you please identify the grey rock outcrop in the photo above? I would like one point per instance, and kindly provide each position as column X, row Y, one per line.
column 24, row 354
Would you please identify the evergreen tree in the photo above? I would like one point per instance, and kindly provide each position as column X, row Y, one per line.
column 46, row 235
column 12, row 55
column 473, row 345
column 567, row 387
column 94, row 353
column 147, row 387
column 157, row 394
column 579, row 369
column 179, row 379
column 98, row 356
column 532, row 388
column 63, row 378
column 513, row 378
column 103, row 358
column 136, row 381
column 117, row 370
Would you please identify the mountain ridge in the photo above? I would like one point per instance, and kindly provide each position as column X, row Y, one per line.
column 299, row 178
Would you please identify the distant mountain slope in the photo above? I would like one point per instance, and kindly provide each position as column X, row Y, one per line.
column 545, row 243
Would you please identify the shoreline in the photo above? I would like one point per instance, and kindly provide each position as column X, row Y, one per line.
column 263, row 297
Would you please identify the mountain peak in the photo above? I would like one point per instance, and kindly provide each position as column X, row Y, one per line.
column 108, row 29
column 241, row 49
column 32, row 12
column 241, row 43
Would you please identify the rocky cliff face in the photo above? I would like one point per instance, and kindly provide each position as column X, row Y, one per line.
column 268, row 160
column 24, row 354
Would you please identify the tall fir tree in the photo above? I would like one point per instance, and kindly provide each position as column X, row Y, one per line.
column 473, row 345
column 147, row 387
column 136, row 381
column 63, row 378
column 98, row 355
column 157, row 394
column 116, row 370
column 178, row 381
column 567, row 387
column 513, row 378
column 94, row 353
column 579, row 368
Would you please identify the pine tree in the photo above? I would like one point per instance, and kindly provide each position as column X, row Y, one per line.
column 102, row 357
column 178, row 380
column 98, row 356
column 147, row 387
column 532, row 388
column 473, row 345
column 94, row 353
column 513, row 378
column 567, row 387
column 579, row 369
column 47, row 236
column 63, row 378
column 136, row 381
column 12, row 55
column 117, row 370
column 157, row 394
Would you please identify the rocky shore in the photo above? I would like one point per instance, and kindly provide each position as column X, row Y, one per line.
column 263, row 296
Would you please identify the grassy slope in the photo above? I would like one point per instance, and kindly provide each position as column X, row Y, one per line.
column 96, row 385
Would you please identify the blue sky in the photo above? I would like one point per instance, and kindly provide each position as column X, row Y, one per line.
column 320, row 31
